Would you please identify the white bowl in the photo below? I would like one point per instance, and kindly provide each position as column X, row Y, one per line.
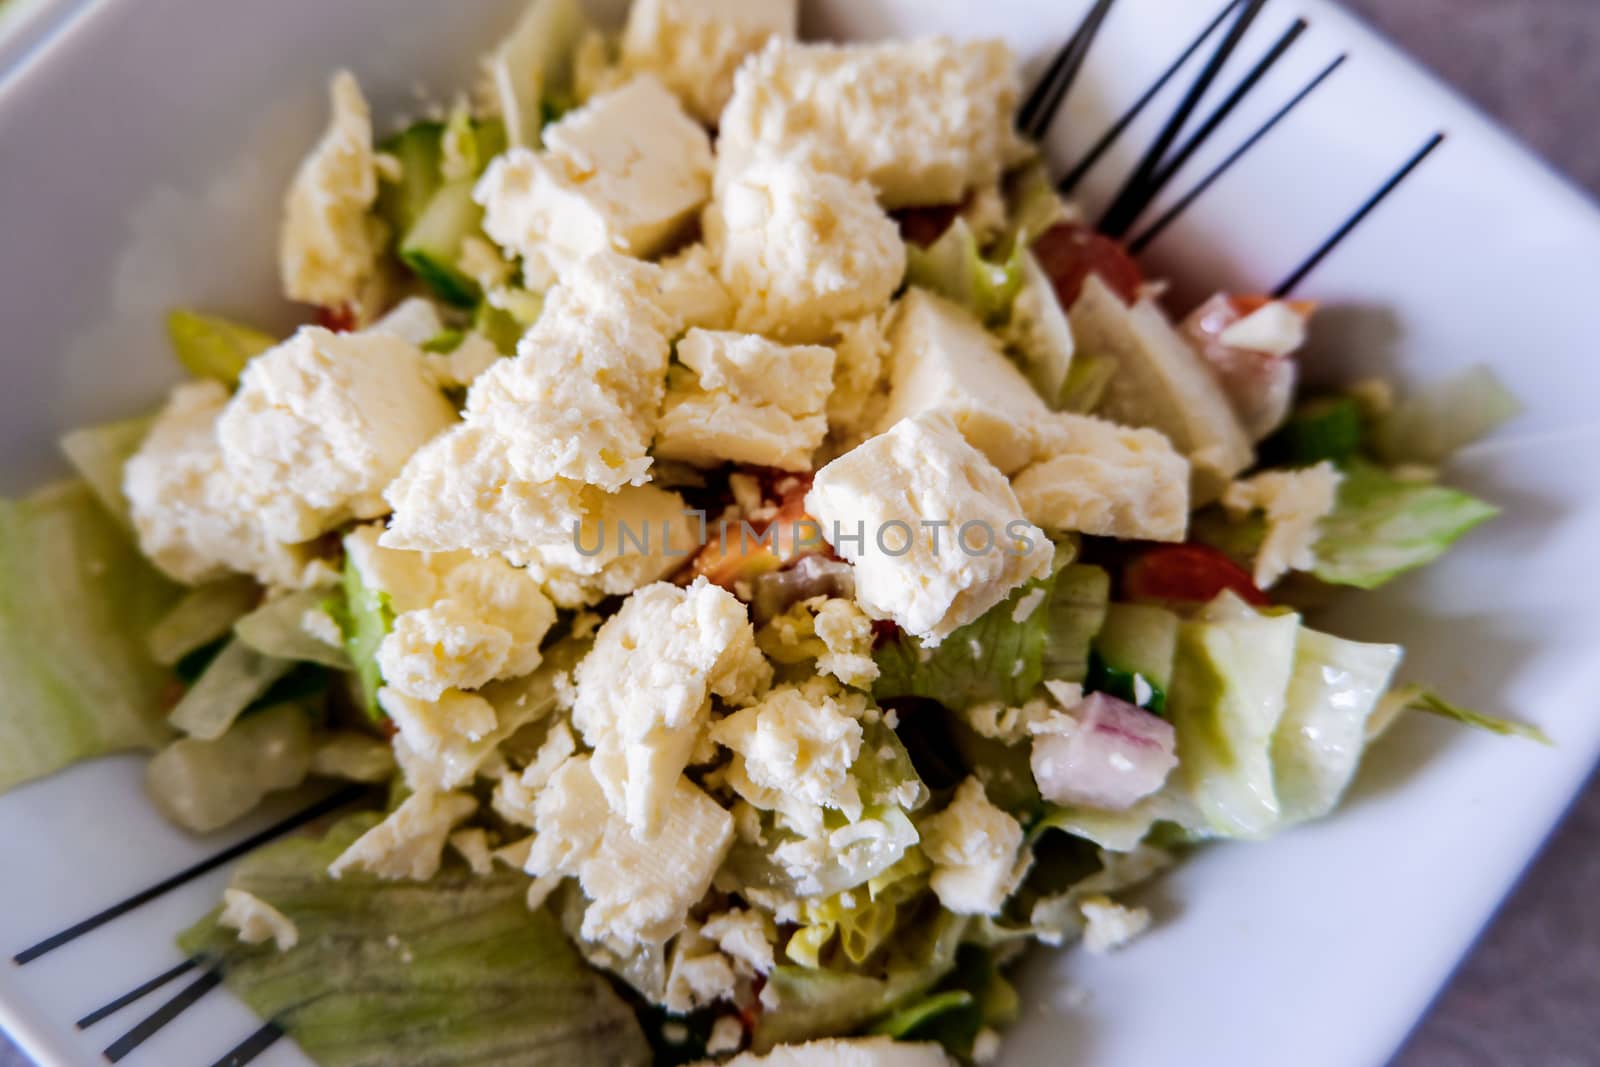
column 146, row 145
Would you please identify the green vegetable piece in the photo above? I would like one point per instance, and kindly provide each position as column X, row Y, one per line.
column 275, row 629
column 1429, row 426
column 1324, row 428
column 532, row 71
column 204, row 615
column 233, row 681
column 447, row 973
column 907, row 1023
column 99, row 454
column 1318, row 744
column 1383, row 526
column 365, row 618
column 420, row 150
column 1139, row 639
column 1230, row 680
column 76, row 599
column 432, row 246
column 1087, row 381
column 1420, row 698
column 212, row 347
column 954, row 267
column 1002, row 657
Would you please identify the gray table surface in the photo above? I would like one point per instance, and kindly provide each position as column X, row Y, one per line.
column 1529, row 994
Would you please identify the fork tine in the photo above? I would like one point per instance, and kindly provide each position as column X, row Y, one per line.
column 1039, row 110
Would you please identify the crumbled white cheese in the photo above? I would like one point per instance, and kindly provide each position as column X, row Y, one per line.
column 1110, row 925
column 640, row 891
column 622, row 173
column 256, row 920
column 442, row 731
column 691, row 290
column 847, row 632
column 795, row 747
column 745, row 400
column 644, row 690
column 942, row 359
column 409, row 843
column 800, row 249
column 746, row 936
column 936, row 534
column 861, row 351
column 975, row 848
column 924, row 121
column 473, row 846
column 1105, row 480
column 625, row 541
column 329, row 245
column 323, row 422
column 189, row 512
column 1294, row 502
column 695, row 46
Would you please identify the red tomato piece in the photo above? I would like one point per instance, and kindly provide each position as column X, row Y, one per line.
column 341, row 319
column 1187, row 573
column 1069, row 253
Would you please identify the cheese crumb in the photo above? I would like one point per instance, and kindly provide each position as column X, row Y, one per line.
column 1105, row 480
column 975, row 849
column 256, row 920
column 1295, row 502
column 409, row 843
column 1110, row 925
column 695, row 46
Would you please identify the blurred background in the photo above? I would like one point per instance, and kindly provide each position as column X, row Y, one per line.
column 1528, row 993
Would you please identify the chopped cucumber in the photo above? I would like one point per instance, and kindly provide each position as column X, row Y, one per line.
column 420, row 150
column 432, row 247
column 1324, row 428
column 1139, row 639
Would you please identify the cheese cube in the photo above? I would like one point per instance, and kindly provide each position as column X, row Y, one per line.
column 974, row 846
column 1162, row 383
column 443, row 733
column 924, row 121
column 795, row 747
column 801, row 250
column 623, row 173
column 691, row 290
column 748, row 400
column 644, row 691
column 329, row 244
column 861, row 350
column 626, row 540
column 322, row 423
column 694, row 46
column 1105, row 480
column 942, row 359
column 640, row 891
column 460, row 492
column 189, row 513
column 935, row 532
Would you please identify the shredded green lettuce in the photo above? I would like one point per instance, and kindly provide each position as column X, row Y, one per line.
column 210, row 346
column 365, row 617
column 99, row 454
column 1421, row 698
column 955, row 268
column 204, row 614
column 277, row 629
column 1040, row 632
column 235, row 680
column 454, row 971
column 75, row 601
column 1383, row 526
column 1432, row 423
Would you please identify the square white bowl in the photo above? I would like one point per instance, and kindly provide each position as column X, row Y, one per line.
column 146, row 144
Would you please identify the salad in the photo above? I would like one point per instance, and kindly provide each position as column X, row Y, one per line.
column 770, row 560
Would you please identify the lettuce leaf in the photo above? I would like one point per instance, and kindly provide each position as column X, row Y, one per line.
column 1010, row 650
column 1383, row 526
column 1431, row 424
column 75, row 601
column 364, row 617
column 400, row 974
column 204, row 614
column 210, row 346
column 954, row 267
column 1421, row 698
column 99, row 453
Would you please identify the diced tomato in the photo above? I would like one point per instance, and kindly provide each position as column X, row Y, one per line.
column 739, row 554
column 1069, row 253
column 883, row 631
column 341, row 319
column 1191, row 574
column 922, row 226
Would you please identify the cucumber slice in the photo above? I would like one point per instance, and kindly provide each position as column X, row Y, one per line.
column 420, row 150
column 1139, row 639
column 432, row 247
